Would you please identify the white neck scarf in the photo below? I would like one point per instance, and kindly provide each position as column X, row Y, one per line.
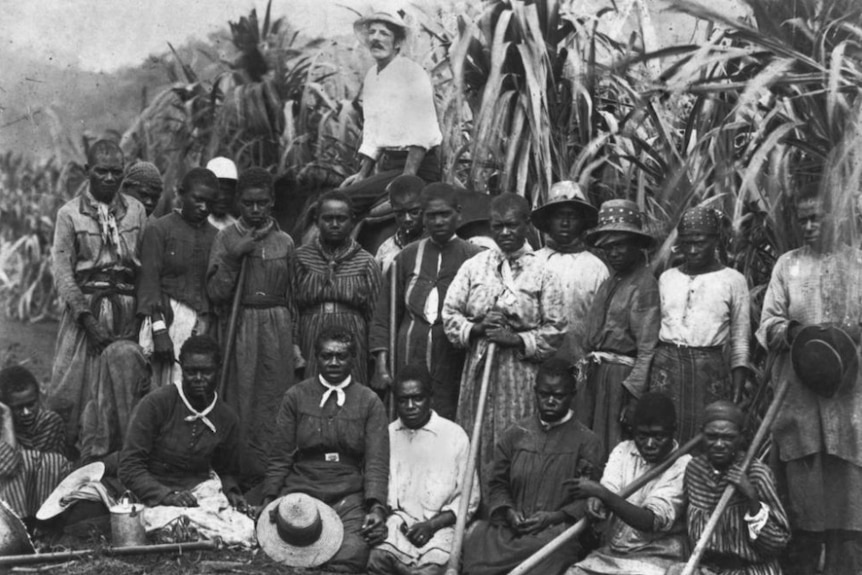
column 202, row 415
column 338, row 390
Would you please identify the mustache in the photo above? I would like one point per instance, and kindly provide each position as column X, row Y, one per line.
column 375, row 44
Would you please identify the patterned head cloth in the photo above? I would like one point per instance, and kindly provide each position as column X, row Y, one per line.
column 699, row 220
column 144, row 173
column 723, row 410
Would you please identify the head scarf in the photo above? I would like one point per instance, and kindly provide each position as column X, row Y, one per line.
column 145, row 174
column 724, row 410
column 700, row 220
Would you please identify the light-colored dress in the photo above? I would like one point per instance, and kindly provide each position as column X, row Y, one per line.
column 530, row 297
column 704, row 319
column 581, row 273
column 818, row 438
column 629, row 551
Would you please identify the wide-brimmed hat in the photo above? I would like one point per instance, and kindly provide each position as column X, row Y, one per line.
column 618, row 217
column 300, row 531
column 360, row 27
column 824, row 358
column 14, row 539
column 223, row 168
column 59, row 499
column 565, row 193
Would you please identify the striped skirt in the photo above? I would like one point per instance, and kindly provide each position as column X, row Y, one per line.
column 39, row 474
column 693, row 377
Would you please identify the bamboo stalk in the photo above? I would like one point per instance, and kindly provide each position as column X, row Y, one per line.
column 393, row 332
column 700, row 548
column 626, row 492
column 32, row 559
column 467, row 479
column 231, row 327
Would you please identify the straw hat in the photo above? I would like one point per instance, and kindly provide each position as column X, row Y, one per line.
column 618, row 217
column 14, row 539
column 59, row 499
column 565, row 193
column 223, row 168
column 300, row 531
column 360, row 27
column 824, row 359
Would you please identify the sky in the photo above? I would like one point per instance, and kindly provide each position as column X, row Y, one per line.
column 103, row 35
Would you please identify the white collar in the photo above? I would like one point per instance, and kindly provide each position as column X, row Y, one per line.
column 549, row 425
column 202, row 415
column 337, row 389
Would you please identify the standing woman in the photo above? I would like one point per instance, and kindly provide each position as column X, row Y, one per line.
column 704, row 309
column 172, row 291
column 336, row 283
column 261, row 370
column 622, row 325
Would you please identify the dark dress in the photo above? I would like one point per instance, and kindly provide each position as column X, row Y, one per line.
column 338, row 289
column 338, row 454
column 424, row 267
column 530, row 465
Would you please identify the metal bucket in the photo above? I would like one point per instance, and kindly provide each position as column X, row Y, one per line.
column 126, row 527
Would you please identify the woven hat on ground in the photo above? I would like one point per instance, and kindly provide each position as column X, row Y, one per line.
column 300, row 531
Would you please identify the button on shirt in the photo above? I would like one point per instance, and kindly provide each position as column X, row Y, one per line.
column 398, row 105
column 163, row 452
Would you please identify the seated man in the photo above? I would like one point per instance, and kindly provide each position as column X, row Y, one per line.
column 178, row 436
column 332, row 443
column 754, row 529
column 32, row 444
column 646, row 533
column 528, row 504
column 428, row 455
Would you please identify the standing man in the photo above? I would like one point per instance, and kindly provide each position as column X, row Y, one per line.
column 95, row 259
column 818, row 435
column 223, row 210
column 404, row 198
column 505, row 296
column 400, row 133
column 426, row 470
column 425, row 269
column 563, row 218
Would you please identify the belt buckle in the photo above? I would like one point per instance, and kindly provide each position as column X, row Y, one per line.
column 329, row 307
column 332, row 457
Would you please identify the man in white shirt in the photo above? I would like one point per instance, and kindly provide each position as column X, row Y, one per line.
column 428, row 454
column 400, row 133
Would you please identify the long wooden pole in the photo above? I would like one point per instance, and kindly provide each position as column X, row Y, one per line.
column 467, row 479
column 32, row 559
column 393, row 332
column 626, row 492
column 231, row 327
column 709, row 528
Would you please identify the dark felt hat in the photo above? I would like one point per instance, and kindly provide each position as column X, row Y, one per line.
column 825, row 359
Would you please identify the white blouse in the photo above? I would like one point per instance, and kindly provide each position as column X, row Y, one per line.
column 706, row 310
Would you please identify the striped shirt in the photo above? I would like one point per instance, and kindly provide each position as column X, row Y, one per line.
column 731, row 547
column 30, row 471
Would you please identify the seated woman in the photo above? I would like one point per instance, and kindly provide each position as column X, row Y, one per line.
column 646, row 532
column 32, row 444
column 332, row 442
column 528, row 504
column 753, row 530
column 181, row 451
